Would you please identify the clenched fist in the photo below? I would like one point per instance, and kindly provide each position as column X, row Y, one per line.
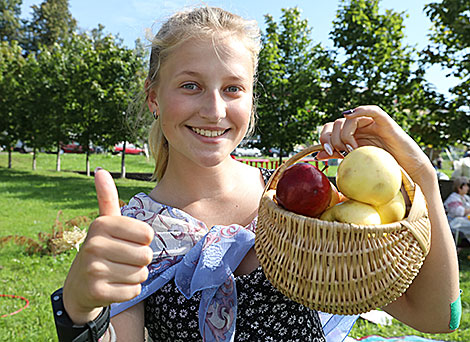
column 112, row 263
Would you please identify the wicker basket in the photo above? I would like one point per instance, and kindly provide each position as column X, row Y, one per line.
column 337, row 267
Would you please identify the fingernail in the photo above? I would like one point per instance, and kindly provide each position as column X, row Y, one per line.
column 348, row 112
column 349, row 148
column 97, row 169
column 328, row 149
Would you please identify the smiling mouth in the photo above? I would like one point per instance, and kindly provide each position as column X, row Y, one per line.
column 208, row 133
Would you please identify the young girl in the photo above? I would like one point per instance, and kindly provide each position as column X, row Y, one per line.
column 196, row 228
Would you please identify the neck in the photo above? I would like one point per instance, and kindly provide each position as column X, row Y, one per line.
column 185, row 183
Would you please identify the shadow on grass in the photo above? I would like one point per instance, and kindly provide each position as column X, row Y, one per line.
column 66, row 190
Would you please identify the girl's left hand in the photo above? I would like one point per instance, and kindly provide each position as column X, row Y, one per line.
column 370, row 125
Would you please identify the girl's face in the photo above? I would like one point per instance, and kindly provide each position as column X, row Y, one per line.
column 204, row 98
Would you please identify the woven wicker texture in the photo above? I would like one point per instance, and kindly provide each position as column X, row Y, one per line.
column 337, row 267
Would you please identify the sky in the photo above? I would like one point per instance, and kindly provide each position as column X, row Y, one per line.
column 131, row 19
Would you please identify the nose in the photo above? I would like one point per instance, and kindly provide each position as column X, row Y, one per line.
column 213, row 106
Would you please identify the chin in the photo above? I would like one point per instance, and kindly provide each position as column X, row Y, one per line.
column 211, row 159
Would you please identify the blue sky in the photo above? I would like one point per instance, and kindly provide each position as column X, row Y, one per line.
column 131, row 18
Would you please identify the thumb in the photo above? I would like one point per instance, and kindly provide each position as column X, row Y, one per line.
column 106, row 192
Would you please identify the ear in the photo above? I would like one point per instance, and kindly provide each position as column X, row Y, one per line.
column 151, row 98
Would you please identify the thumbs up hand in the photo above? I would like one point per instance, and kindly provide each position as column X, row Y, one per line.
column 112, row 263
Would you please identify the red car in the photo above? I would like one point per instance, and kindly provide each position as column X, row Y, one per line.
column 130, row 149
column 74, row 147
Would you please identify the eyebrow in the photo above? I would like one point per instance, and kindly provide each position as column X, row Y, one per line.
column 187, row 72
column 197, row 74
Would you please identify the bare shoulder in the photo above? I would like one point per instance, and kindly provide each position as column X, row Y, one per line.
column 129, row 324
column 249, row 176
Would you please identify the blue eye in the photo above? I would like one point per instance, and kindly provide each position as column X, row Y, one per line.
column 233, row 89
column 189, row 86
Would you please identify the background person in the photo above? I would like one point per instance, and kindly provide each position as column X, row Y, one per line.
column 457, row 206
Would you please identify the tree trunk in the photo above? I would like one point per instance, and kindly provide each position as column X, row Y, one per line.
column 88, row 163
column 57, row 162
column 123, row 160
column 9, row 157
column 34, row 158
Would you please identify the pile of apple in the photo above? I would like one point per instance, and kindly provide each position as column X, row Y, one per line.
column 369, row 189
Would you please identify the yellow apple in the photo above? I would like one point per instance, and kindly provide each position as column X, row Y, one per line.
column 328, row 214
column 369, row 174
column 351, row 211
column 392, row 211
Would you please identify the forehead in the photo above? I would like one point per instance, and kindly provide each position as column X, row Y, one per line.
column 207, row 55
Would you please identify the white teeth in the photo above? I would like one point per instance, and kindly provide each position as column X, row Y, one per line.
column 207, row 133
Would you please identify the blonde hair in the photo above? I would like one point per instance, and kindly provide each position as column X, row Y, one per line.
column 204, row 22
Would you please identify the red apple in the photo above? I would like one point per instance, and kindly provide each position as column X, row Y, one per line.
column 303, row 189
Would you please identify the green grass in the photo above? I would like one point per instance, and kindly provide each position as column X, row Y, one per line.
column 365, row 328
column 77, row 162
column 30, row 202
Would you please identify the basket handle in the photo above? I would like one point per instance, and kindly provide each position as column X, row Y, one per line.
column 417, row 197
column 272, row 183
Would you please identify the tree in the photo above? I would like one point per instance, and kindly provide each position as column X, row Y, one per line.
column 450, row 47
column 376, row 68
column 104, row 75
column 126, row 80
column 41, row 109
column 29, row 124
column 47, row 117
column 290, row 75
column 51, row 23
column 10, row 22
column 86, row 93
column 135, row 122
column 12, row 91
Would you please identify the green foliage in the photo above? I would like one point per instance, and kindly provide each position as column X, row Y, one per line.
column 12, row 66
column 78, row 86
column 59, row 85
column 51, row 23
column 378, row 68
column 376, row 64
column 62, row 86
column 10, row 22
column 103, row 77
column 46, row 111
column 450, row 47
column 451, row 34
column 289, row 77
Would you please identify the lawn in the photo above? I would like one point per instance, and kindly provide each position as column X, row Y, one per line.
column 77, row 162
column 31, row 201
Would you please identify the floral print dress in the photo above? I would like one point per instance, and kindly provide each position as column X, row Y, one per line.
column 264, row 314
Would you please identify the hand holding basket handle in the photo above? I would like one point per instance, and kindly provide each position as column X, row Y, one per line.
column 370, row 125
